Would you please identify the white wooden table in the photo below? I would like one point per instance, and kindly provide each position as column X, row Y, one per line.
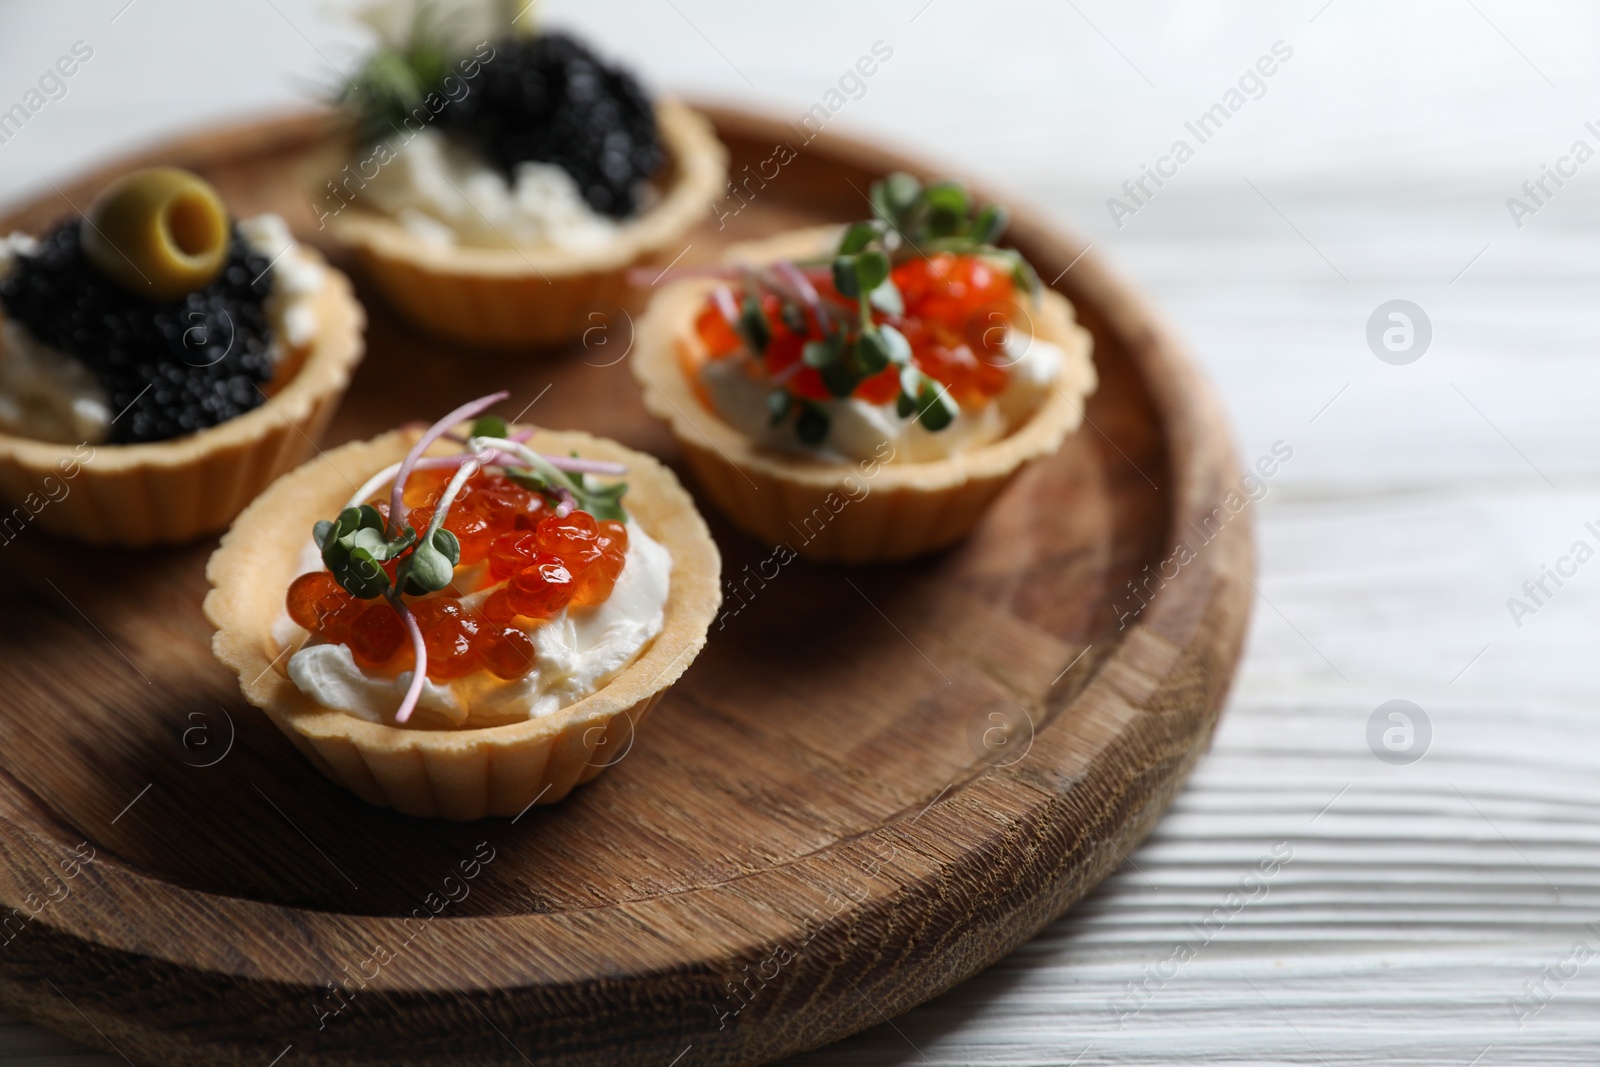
column 1434, row 912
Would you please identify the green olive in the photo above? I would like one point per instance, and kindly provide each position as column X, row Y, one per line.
column 160, row 233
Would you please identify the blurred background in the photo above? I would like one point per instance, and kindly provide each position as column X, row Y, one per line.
column 1440, row 880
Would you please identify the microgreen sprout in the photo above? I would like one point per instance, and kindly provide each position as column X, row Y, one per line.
column 397, row 78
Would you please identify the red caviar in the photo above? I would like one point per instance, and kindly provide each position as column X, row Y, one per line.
column 569, row 536
column 305, row 597
column 714, row 329
column 317, row 603
column 540, row 589
column 377, row 635
column 473, row 532
column 510, row 552
column 508, row 653
column 536, row 565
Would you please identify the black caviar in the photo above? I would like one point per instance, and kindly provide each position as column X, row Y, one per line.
column 168, row 368
column 548, row 99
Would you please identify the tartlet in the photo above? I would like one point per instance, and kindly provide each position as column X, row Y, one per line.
column 422, row 233
column 425, row 766
column 777, row 476
column 179, row 438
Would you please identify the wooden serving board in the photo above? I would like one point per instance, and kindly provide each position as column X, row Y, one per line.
column 873, row 783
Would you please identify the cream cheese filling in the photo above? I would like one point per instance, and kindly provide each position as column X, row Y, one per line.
column 445, row 193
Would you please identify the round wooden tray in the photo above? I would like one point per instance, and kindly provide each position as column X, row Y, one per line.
column 873, row 783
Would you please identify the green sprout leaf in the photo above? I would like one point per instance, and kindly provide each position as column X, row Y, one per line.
column 387, row 89
column 940, row 217
column 529, row 479
column 989, row 225
column 490, row 426
column 857, row 237
column 901, row 192
column 355, row 570
column 882, row 208
column 1027, row 278
column 428, row 570
column 948, row 208
column 840, row 378
column 794, row 317
column 910, row 385
column 820, row 355
column 369, row 541
column 895, row 343
column 844, row 276
column 871, row 270
column 872, row 351
column 813, row 425
column 361, row 576
column 354, row 518
column 448, row 545
column 603, row 501
column 887, row 299
column 354, row 550
column 779, row 402
column 432, row 565
column 935, row 409
column 753, row 323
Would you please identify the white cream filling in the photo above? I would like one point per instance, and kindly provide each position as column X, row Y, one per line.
column 445, row 193
column 47, row 395
column 579, row 650
column 859, row 430
column 296, row 280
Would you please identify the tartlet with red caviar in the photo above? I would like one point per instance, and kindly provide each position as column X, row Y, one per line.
column 502, row 186
column 161, row 363
column 480, row 627
column 868, row 405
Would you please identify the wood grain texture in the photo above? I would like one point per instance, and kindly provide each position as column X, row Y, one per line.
column 807, row 837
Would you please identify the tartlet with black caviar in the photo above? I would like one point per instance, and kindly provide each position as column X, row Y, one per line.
column 162, row 362
column 500, row 188
column 866, row 395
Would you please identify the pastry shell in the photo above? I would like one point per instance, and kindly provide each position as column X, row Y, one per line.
column 459, row 774
column 531, row 296
column 169, row 492
column 844, row 511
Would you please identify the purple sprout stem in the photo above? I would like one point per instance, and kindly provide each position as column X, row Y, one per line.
column 792, row 282
column 797, row 280
column 419, row 647
column 432, row 434
column 568, row 503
